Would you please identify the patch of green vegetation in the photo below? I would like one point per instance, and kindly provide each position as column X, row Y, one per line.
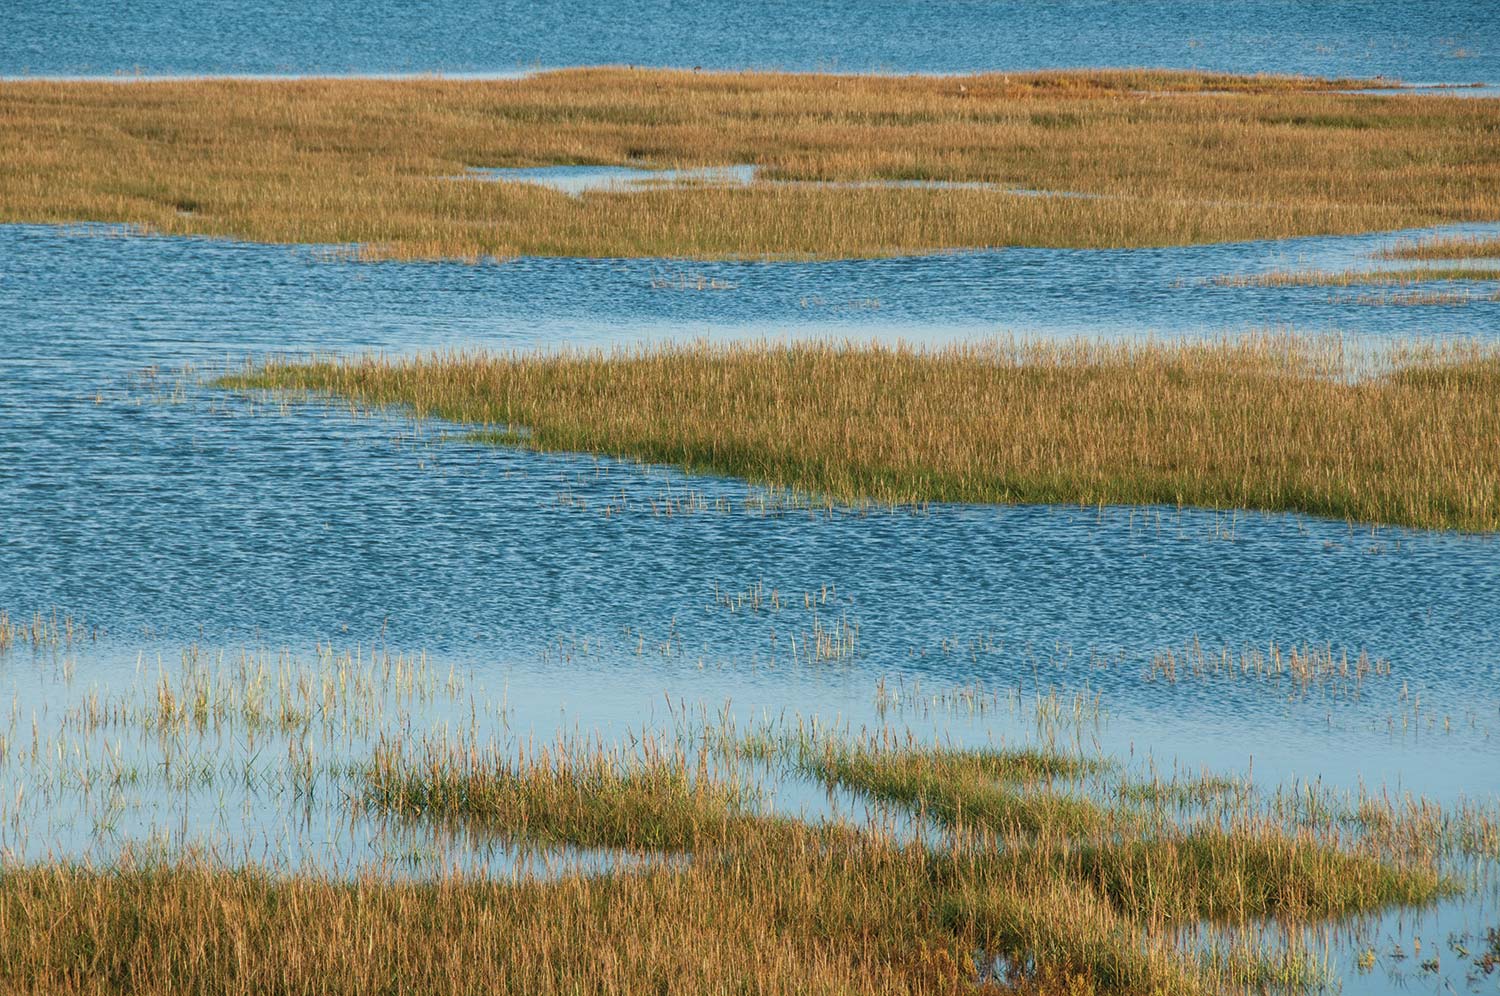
column 1183, row 792
column 563, row 795
column 984, row 789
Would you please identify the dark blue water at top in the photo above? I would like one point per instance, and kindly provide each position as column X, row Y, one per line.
column 1416, row 40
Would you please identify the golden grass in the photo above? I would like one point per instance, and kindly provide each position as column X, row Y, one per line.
column 1445, row 247
column 1174, row 159
column 752, row 903
column 558, row 795
column 967, row 787
column 1347, row 278
column 1263, row 423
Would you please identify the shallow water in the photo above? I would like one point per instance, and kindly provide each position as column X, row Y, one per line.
column 167, row 512
column 572, row 595
column 577, row 180
column 580, row 179
column 1436, row 41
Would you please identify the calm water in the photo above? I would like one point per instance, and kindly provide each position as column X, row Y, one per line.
column 563, row 596
column 1416, row 40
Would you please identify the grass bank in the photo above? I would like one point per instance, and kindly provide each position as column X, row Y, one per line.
column 1170, row 158
column 1261, row 423
column 1445, row 247
column 1350, row 278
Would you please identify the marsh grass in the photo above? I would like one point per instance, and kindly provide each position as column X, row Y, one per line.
column 564, row 794
column 1349, row 278
column 729, row 898
column 1166, row 159
column 1444, row 247
column 972, row 788
column 1021, row 875
column 1237, row 865
column 1271, row 423
column 49, row 631
column 1300, row 668
column 1410, row 299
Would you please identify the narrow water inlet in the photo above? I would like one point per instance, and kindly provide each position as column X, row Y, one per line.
column 576, row 180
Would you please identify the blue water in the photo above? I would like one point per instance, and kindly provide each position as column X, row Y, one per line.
column 140, row 499
column 576, row 596
column 1417, row 40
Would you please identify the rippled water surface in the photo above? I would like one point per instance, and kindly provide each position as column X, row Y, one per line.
column 147, row 503
column 564, row 593
column 1434, row 41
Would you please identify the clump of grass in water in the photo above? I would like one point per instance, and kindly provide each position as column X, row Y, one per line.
column 42, row 631
column 1444, row 247
column 1235, row 867
column 1272, row 423
column 1302, row 667
column 1347, row 278
column 564, row 794
column 965, row 787
column 1414, row 299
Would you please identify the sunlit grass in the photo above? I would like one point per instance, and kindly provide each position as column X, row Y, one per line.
column 1161, row 888
column 1276, row 424
column 562, row 795
column 1348, row 278
column 992, row 790
column 1169, row 159
column 1096, row 897
column 1445, row 247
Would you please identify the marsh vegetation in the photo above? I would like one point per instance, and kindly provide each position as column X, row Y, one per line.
column 644, row 757
column 1167, row 159
column 1400, row 436
column 1019, row 868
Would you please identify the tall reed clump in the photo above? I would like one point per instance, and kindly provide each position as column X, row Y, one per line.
column 1167, row 159
column 1272, row 423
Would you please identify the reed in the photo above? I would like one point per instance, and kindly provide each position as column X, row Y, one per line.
column 1410, row 299
column 563, row 794
column 1300, row 668
column 745, row 901
column 1272, row 423
column 1348, row 278
column 976, row 788
column 1165, row 159
column 1444, row 247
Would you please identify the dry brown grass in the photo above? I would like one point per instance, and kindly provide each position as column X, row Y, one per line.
column 727, row 927
column 1445, row 247
column 1174, row 158
column 1263, row 423
column 1350, row 278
